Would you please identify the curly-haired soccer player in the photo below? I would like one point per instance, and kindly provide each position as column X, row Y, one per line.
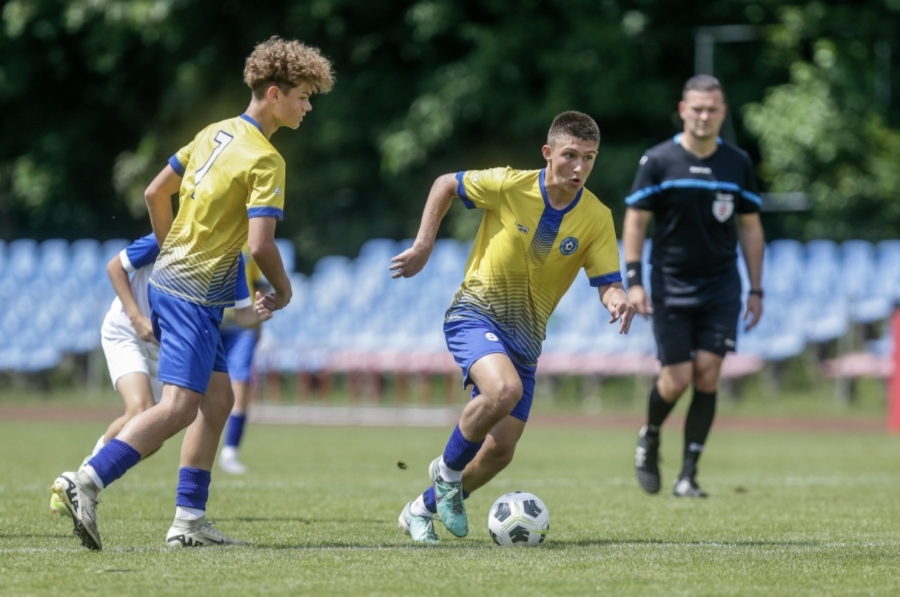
column 230, row 181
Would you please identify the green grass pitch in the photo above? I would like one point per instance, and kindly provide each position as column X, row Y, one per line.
column 801, row 513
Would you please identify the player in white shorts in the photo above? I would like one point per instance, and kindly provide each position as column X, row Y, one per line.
column 131, row 350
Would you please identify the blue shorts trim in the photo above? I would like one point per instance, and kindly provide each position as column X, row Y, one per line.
column 469, row 341
column 239, row 346
column 190, row 346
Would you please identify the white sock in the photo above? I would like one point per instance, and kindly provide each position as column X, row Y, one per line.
column 418, row 508
column 94, row 476
column 229, row 452
column 182, row 513
column 99, row 445
column 448, row 473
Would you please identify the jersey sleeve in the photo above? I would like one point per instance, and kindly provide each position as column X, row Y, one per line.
column 750, row 201
column 480, row 188
column 602, row 262
column 141, row 252
column 241, row 291
column 180, row 160
column 645, row 189
column 266, row 181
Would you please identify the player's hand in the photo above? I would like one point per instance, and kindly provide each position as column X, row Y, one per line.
column 144, row 329
column 641, row 301
column 280, row 300
column 621, row 310
column 753, row 311
column 410, row 262
column 263, row 306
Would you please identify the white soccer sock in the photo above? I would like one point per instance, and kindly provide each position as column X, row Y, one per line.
column 228, row 452
column 418, row 508
column 448, row 473
column 94, row 476
column 99, row 445
column 183, row 513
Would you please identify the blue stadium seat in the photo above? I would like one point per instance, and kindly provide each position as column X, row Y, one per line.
column 54, row 260
column 22, row 260
column 288, row 256
column 887, row 282
column 87, row 263
column 379, row 250
column 859, row 282
column 779, row 335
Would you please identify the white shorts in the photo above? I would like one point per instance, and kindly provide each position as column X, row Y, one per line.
column 126, row 353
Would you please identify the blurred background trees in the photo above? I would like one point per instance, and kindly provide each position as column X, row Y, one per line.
column 97, row 94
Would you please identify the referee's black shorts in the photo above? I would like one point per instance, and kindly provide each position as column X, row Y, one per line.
column 694, row 313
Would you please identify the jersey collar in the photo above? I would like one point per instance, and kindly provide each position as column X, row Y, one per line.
column 253, row 122
column 677, row 139
column 547, row 205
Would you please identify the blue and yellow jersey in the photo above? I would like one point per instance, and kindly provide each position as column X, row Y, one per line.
column 526, row 254
column 231, row 173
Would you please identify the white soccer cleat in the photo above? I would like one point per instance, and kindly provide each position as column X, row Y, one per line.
column 197, row 533
column 78, row 494
column 229, row 463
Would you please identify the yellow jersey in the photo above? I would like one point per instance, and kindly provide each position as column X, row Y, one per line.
column 527, row 253
column 231, row 172
column 252, row 279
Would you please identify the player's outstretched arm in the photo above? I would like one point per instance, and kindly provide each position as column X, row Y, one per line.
column 159, row 201
column 411, row 261
column 261, row 239
column 620, row 308
column 752, row 246
column 121, row 284
column 253, row 315
column 634, row 231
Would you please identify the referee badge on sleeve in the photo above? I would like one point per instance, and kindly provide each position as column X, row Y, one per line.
column 723, row 206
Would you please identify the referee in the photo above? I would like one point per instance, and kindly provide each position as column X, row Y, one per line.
column 703, row 194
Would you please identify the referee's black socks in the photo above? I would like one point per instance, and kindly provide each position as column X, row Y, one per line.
column 657, row 411
column 696, row 428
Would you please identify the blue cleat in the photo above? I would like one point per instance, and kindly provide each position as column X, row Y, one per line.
column 451, row 507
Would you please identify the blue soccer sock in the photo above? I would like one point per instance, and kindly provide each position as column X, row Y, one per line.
column 193, row 488
column 235, row 430
column 431, row 503
column 113, row 461
column 460, row 451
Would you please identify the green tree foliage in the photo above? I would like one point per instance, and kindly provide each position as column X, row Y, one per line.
column 827, row 131
column 97, row 94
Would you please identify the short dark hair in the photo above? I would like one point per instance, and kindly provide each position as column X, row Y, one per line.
column 575, row 125
column 705, row 83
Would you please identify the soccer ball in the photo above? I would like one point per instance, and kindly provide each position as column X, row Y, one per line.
column 518, row 518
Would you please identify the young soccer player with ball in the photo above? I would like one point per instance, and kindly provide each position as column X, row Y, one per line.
column 539, row 228
column 230, row 181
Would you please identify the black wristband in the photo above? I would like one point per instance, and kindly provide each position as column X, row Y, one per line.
column 758, row 292
column 634, row 275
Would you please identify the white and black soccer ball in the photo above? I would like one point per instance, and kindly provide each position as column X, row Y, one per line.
column 518, row 518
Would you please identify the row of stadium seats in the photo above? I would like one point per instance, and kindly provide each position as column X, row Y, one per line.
column 54, row 296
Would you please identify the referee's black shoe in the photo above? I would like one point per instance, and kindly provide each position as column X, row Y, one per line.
column 687, row 487
column 646, row 461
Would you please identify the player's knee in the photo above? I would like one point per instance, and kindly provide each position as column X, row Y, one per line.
column 706, row 379
column 673, row 386
column 509, row 392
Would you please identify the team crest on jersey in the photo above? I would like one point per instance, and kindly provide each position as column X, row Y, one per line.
column 723, row 206
column 568, row 246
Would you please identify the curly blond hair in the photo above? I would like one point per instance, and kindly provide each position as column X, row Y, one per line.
column 287, row 64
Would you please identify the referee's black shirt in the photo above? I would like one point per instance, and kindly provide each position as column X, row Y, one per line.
column 694, row 201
